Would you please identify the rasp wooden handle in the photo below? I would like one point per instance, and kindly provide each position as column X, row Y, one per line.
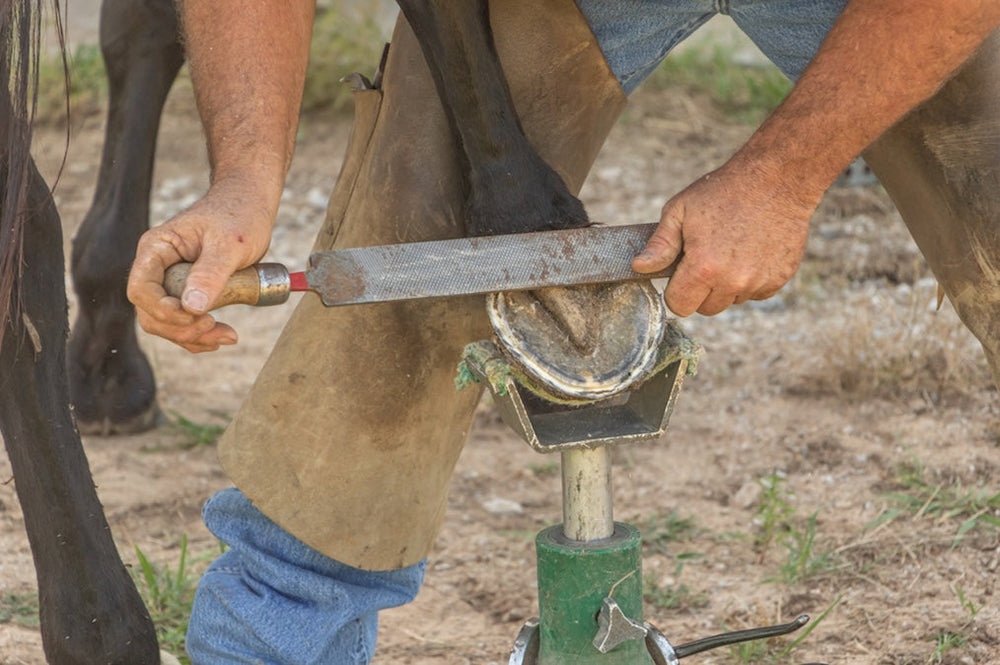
column 259, row 285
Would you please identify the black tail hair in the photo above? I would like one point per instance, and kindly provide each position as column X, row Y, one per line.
column 20, row 45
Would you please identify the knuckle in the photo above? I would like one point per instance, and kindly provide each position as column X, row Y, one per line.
column 706, row 271
column 185, row 336
column 705, row 310
column 782, row 277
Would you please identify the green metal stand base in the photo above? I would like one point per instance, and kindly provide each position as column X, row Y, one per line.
column 574, row 578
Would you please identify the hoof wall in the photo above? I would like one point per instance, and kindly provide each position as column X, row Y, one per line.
column 581, row 343
column 142, row 422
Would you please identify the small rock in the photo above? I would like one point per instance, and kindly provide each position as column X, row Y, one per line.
column 609, row 173
column 497, row 506
column 317, row 198
column 746, row 496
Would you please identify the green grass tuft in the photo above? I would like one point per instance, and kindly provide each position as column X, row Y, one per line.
column 774, row 511
column 88, row 84
column 169, row 592
column 777, row 523
column 763, row 651
column 674, row 596
column 660, row 530
column 975, row 509
column 803, row 561
column 193, row 434
column 20, row 609
column 742, row 93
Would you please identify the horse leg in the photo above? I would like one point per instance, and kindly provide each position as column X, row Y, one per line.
column 111, row 383
column 511, row 188
column 939, row 165
column 91, row 613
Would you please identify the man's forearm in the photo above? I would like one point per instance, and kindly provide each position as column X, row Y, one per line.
column 881, row 59
column 248, row 63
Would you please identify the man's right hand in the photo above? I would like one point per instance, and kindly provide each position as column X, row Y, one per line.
column 228, row 229
column 248, row 64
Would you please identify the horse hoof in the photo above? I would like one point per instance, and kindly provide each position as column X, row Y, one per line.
column 142, row 422
column 581, row 343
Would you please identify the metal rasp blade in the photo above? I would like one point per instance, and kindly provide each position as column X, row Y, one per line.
column 463, row 266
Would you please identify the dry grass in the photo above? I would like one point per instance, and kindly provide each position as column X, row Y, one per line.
column 895, row 343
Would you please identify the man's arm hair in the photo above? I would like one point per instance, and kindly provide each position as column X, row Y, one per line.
column 880, row 60
column 248, row 63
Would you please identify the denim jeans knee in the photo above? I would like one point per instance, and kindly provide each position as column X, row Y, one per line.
column 271, row 599
column 636, row 35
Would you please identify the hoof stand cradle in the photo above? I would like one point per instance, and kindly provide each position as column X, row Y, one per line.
column 589, row 568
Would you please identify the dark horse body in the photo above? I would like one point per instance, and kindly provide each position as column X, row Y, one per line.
column 91, row 613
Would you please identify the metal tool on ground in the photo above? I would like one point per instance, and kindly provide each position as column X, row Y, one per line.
column 590, row 567
column 462, row 266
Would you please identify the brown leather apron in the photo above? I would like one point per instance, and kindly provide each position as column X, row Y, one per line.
column 350, row 434
column 941, row 166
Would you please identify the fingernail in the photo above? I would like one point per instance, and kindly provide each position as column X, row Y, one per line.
column 228, row 339
column 195, row 300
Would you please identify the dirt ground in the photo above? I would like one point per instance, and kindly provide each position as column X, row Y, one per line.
column 846, row 388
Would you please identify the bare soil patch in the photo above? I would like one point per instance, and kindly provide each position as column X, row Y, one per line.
column 838, row 392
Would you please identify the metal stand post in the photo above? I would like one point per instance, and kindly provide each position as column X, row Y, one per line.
column 586, row 483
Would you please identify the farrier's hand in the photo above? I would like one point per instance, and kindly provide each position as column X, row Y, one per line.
column 740, row 235
column 228, row 229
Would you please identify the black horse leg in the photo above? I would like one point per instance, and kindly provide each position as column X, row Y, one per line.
column 91, row 613
column 111, row 383
column 511, row 189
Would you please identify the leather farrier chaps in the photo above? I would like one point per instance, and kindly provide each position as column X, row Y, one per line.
column 941, row 166
column 350, row 434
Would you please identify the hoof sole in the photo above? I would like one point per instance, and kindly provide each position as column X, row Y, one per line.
column 581, row 343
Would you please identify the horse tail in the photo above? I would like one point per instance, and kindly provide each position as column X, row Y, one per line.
column 20, row 39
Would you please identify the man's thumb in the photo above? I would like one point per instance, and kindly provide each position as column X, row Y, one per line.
column 664, row 246
column 205, row 283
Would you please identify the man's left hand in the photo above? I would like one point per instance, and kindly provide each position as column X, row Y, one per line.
column 739, row 239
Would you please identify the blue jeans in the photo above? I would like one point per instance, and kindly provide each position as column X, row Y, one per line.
column 636, row 35
column 271, row 599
